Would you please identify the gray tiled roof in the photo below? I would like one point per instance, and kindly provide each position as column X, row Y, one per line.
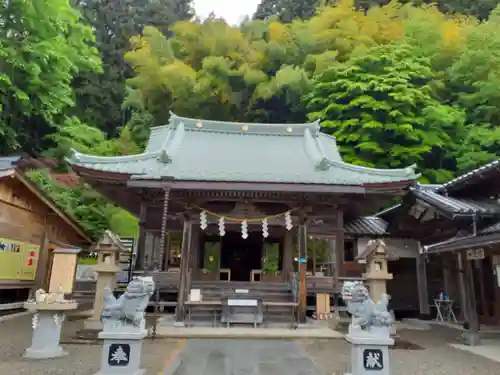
column 491, row 229
column 198, row 150
column 456, row 206
column 494, row 165
column 7, row 162
column 367, row 225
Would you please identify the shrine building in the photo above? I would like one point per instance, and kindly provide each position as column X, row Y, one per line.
column 246, row 198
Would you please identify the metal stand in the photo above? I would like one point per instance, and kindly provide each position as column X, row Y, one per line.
column 444, row 311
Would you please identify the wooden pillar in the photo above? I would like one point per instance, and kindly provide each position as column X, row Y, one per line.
column 302, row 241
column 148, row 250
column 464, row 310
column 141, row 241
column 43, row 265
column 479, row 264
column 167, row 250
column 422, row 287
column 194, row 252
column 186, row 244
column 155, row 251
column 447, row 276
column 339, row 245
column 313, row 244
column 470, row 297
column 332, row 258
column 288, row 254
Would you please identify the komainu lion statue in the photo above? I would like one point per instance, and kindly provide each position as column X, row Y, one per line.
column 129, row 308
column 365, row 313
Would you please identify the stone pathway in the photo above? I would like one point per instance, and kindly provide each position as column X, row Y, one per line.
column 242, row 357
column 433, row 355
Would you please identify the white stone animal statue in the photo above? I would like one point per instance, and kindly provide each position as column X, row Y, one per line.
column 366, row 314
column 40, row 296
column 129, row 308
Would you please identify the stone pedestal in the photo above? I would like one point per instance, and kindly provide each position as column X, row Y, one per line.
column 121, row 350
column 108, row 258
column 47, row 324
column 376, row 274
column 106, row 278
column 370, row 351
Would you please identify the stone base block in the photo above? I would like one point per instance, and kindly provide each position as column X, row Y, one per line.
column 369, row 355
column 471, row 338
column 121, row 353
column 44, row 353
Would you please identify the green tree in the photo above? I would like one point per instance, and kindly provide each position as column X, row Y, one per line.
column 474, row 79
column 100, row 97
column 383, row 108
column 209, row 70
column 477, row 8
column 286, row 10
column 43, row 45
column 74, row 134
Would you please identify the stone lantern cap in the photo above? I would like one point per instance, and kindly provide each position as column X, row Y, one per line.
column 376, row 249
column 109, row 242
column 108, row 250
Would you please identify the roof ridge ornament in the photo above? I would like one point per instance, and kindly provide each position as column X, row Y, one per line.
column 323, row 164
column 164, row 157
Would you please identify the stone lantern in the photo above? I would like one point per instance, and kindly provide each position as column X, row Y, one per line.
column 108, row 250
column 376, row 275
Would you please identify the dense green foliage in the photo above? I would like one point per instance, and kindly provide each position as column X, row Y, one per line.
column 100, row 97
column 286, row 10
column 87, row 207
column 396, row 83
column 43, row 46
column 381, row 107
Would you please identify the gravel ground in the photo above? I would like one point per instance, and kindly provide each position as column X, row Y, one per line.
column 331, row 357
column 434, row 358
column 83, row 359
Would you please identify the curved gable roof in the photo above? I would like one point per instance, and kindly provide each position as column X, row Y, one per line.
column 201, row 150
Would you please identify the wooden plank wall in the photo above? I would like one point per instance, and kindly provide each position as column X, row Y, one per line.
column 23, row 220
column 22, row 216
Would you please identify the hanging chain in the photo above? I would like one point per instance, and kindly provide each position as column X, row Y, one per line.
column 160, row 259
column 164, row 219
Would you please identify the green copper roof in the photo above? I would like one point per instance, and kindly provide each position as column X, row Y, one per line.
column 199, row 150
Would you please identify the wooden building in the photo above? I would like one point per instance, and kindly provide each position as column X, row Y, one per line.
column 241, row 194
column 30, row 225
column 458, row 226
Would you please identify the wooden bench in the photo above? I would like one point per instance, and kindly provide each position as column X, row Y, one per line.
column 213, row 307
column 242, row 308
column 293, row 306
